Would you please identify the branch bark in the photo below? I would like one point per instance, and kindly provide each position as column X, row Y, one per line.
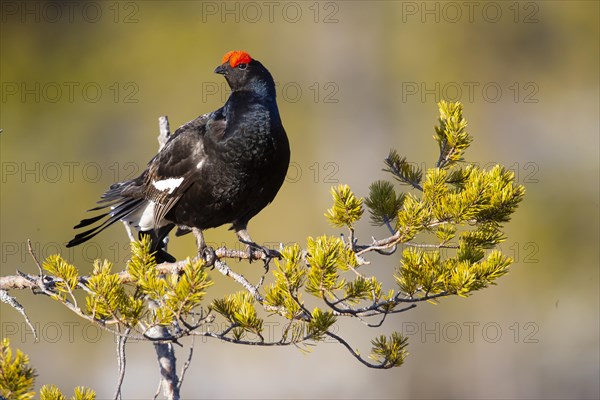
column 167, row 363
column 24, row 281
column 165, row 353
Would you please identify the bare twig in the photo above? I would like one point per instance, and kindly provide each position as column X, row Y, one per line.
column 388, row 245
column 432, row 246
column 377, row 308
column 187, row 363
column 260, row 343
column 157, row 393
column 11, row 301
column 129, row 231
column 121, row 340
column 225, row 270
column 356, row 354
column 35, row 259
column 165, row 131
column 383, row 244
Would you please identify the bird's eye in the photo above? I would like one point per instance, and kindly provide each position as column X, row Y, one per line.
column 242, row 66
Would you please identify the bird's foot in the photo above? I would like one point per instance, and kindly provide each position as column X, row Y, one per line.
column 209, row 256
column 205, row 253
column 268, row 254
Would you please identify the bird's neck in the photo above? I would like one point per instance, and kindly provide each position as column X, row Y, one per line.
column 260, row 89
column 259, row 93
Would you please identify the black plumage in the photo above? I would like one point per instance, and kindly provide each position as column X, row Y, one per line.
column 220, row 168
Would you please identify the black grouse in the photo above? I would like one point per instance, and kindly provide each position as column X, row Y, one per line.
column 221, row 168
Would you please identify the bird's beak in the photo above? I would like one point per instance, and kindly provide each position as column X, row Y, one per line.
column 221, row 69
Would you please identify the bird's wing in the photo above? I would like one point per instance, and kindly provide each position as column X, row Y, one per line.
column 177, row 166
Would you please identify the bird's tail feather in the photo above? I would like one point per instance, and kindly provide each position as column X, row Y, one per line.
column 120, row 206
column 158, row 244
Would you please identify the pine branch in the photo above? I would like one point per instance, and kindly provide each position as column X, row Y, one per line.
column 459, row 209
column 403, row 171
column 451, row 134
column 27, row 281
column 386, row 363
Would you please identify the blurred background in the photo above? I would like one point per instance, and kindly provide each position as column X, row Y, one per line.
column 83, row 85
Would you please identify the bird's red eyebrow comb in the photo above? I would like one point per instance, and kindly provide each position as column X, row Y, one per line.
column 236, row 57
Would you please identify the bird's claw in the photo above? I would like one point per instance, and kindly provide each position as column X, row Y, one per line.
column 209, row 256
column 268, row 254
